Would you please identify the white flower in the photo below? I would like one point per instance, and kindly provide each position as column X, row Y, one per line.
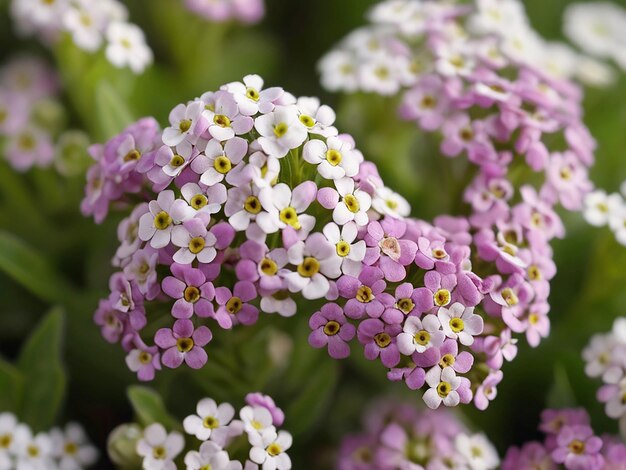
column 334, row 158
column 599, row 355
column 211, row 456
column 33, row 452
column 156, row 226
column 195, row 242
column 460, row 322
column 242, row 206
column 443, row 387
column 222, row 114
column 616, row 406
column 8, row 428
column 204, row 202
column 388, row 202
column 558, row 60
column 85, row 21
column 219, row 163
column 418, row 335
column 318, row 119
column 72, row 448
column 256, row 419
column 127, row 46
column 281, row 131
column 593, row 72
column 497, row 16
column 454, row 61
column 286, row 208
column 523, row 45
column 381, row 74
column 263, row 169
column 158, row 448
column 212, row 421
column 279, row 302
column 251, row 97
column 128, row 235
column 268, row 450
column 349, row 252
column 339, row 71
column 477, row 451
column 354, row 203
column 598, row 28
column 316, row 262
column 617, row 222
column 183, row 121
column 600, row 207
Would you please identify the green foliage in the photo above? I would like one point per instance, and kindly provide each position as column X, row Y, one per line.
column 149, row 407
column 111, row 109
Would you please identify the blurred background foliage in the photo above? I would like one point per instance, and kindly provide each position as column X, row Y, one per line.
column 51, row 256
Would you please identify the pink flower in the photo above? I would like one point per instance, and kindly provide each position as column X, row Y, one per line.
column 183, row 343
column 330, row 328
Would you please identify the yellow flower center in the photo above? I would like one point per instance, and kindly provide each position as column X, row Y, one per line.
column 352, row 203
column 145, row 357
column 533, row 318
column 439, row 253
column 280, row 129
column 364, row 294
column 309, row 267
column 185, row 125
column 268, row 267
column 509, row 297
column 70, row 448
column 199, row 201
column 392, row 204
column 343, row 248
column 252, row 93
column 274, row 449
column 252, row 205
column 289, row 216
column 210, row 422
column 222, row 164
column 334, row 157
column 32, row 450
column 332, row 328
column 234, row 305
column 382, row 340
column 159, row 453
column 196, row 245
column 443, row 389
column 576, row 446
column 405, row 305
column 457, row 325
column 132, row 156
column 565, row 173
column 26, row 142
column 447, row 360
column 184, row 344
column 192, row 294
column 5, row 441
column 466, row 134
column 442, row 297
column 422, row 337
column 428, row 102
column 162, row 220
column 177, row 161
column 308, row 121
column 221, row 120
column 256, row 424
column 534, row 273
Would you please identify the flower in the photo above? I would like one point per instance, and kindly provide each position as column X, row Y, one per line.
column 256, row 419
column 379, row 340
column 335, row 159
column 184, row 120
column 158, row 448
column 72, row 448
column 219, row 163
column 258, row 399
column 348, row 249
column 191, row 290
column 477, row 451
column 127, row 46
column 443, row 385
column 349, row 203
column 183, row 343
column 235, row 304
column 577, row 447
column 460, row 322
column 330, row 328
column 420, row 334
column 285, row 208
column 268, row 449
column 210, row 456
column 157, row 225
column 281, row 130
column 212, row 421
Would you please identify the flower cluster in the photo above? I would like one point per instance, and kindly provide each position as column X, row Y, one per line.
column 60, row 449
column 90, row 24
column 402, row 436
column 569, row 443
column 255, row 432
column 469, row 74
column 31, row 119
column 605, row 357
column 598, row 29
column 603, row 209
column 245, row 11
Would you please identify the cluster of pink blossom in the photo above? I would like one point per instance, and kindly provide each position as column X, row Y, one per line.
column 250, row 199
column 255, row 435
column 399, row 435
column 570, row 443
column 605, row 357
column 31, row 129
column 245, row 11
column 61, row 449
column 90, row 24
column 467, row 75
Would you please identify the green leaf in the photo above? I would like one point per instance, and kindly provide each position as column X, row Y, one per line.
column 30, row 269
column 149, row 407
column 112, row 111
column 40, row 364
column 561, row 394
column 11, row 381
